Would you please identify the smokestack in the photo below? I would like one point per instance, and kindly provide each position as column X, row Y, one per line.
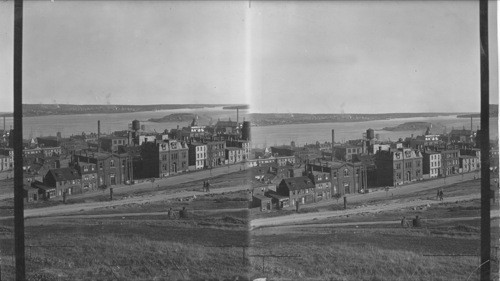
column 333, row 141
column 4, row 123
column 470, row 123
column 98, row 135
column 237, row 115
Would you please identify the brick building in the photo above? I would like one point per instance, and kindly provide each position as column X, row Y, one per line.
column 345, row 177
column 112, row 168
column 398, row 166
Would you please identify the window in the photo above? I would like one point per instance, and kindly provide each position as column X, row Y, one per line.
column 346, row 172
column 100, row 165
column 111, row 163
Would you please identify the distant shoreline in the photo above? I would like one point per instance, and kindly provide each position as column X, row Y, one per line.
column 34, row 110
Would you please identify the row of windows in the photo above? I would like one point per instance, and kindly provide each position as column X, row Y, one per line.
column 294, row 192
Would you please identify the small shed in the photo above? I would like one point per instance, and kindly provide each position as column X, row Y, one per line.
column 44, row 192
column 279, row 201
column 30, row 193
column 261, row 201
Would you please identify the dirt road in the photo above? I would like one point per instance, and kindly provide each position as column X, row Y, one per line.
column 161, row 182
column 153, row 197
column 301, row 218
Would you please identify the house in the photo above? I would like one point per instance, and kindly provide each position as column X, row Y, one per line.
column 299, row 190
column 64, row 180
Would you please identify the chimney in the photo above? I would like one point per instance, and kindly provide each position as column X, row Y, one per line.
column 98, row 135
column 333, row 141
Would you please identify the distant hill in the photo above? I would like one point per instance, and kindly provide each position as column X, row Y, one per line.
column 493, row 113
column 176, row 117
column 66, row 109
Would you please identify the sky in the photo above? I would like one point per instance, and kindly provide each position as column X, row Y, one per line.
column 285, row 56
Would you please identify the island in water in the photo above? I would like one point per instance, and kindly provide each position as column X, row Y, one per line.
column 409, row 126
column 174, row 117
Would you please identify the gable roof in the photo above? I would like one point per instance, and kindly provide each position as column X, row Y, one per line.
column 297, row 183
column 64, row 174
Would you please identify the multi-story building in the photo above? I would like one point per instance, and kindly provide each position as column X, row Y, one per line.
column 345, row 177
column 345, row 152
column 450, row 161
column 398, row 166
column 462, row 136
column 197, row 155
column 6, row 163
column 194, row 131
column 50, row 141
column 51, row 151
column 234, row 155
column 112, row 168
column 299, row 190
column 322, row 184
column 163, row 158
column 88, row 173
column 244, row 144
column 64, row 180
column 111, row 143
column 431, row 163
column 178, row 156
column 216, row 153
column 469, row 163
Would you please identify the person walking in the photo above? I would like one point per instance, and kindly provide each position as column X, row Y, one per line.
column 440, row 195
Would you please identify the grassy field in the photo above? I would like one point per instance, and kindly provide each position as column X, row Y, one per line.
column 375, row 246
column 369, row 252
column 205, row 246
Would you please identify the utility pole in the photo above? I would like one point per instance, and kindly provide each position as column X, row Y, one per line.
column 18, row 142
column 485, row 139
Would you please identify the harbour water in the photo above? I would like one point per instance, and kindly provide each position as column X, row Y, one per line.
column 261, row 136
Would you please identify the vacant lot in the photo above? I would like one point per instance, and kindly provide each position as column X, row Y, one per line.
column 374, row 246
column 138, row 242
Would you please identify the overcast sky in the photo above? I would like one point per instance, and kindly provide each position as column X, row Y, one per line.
column 325, row 56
